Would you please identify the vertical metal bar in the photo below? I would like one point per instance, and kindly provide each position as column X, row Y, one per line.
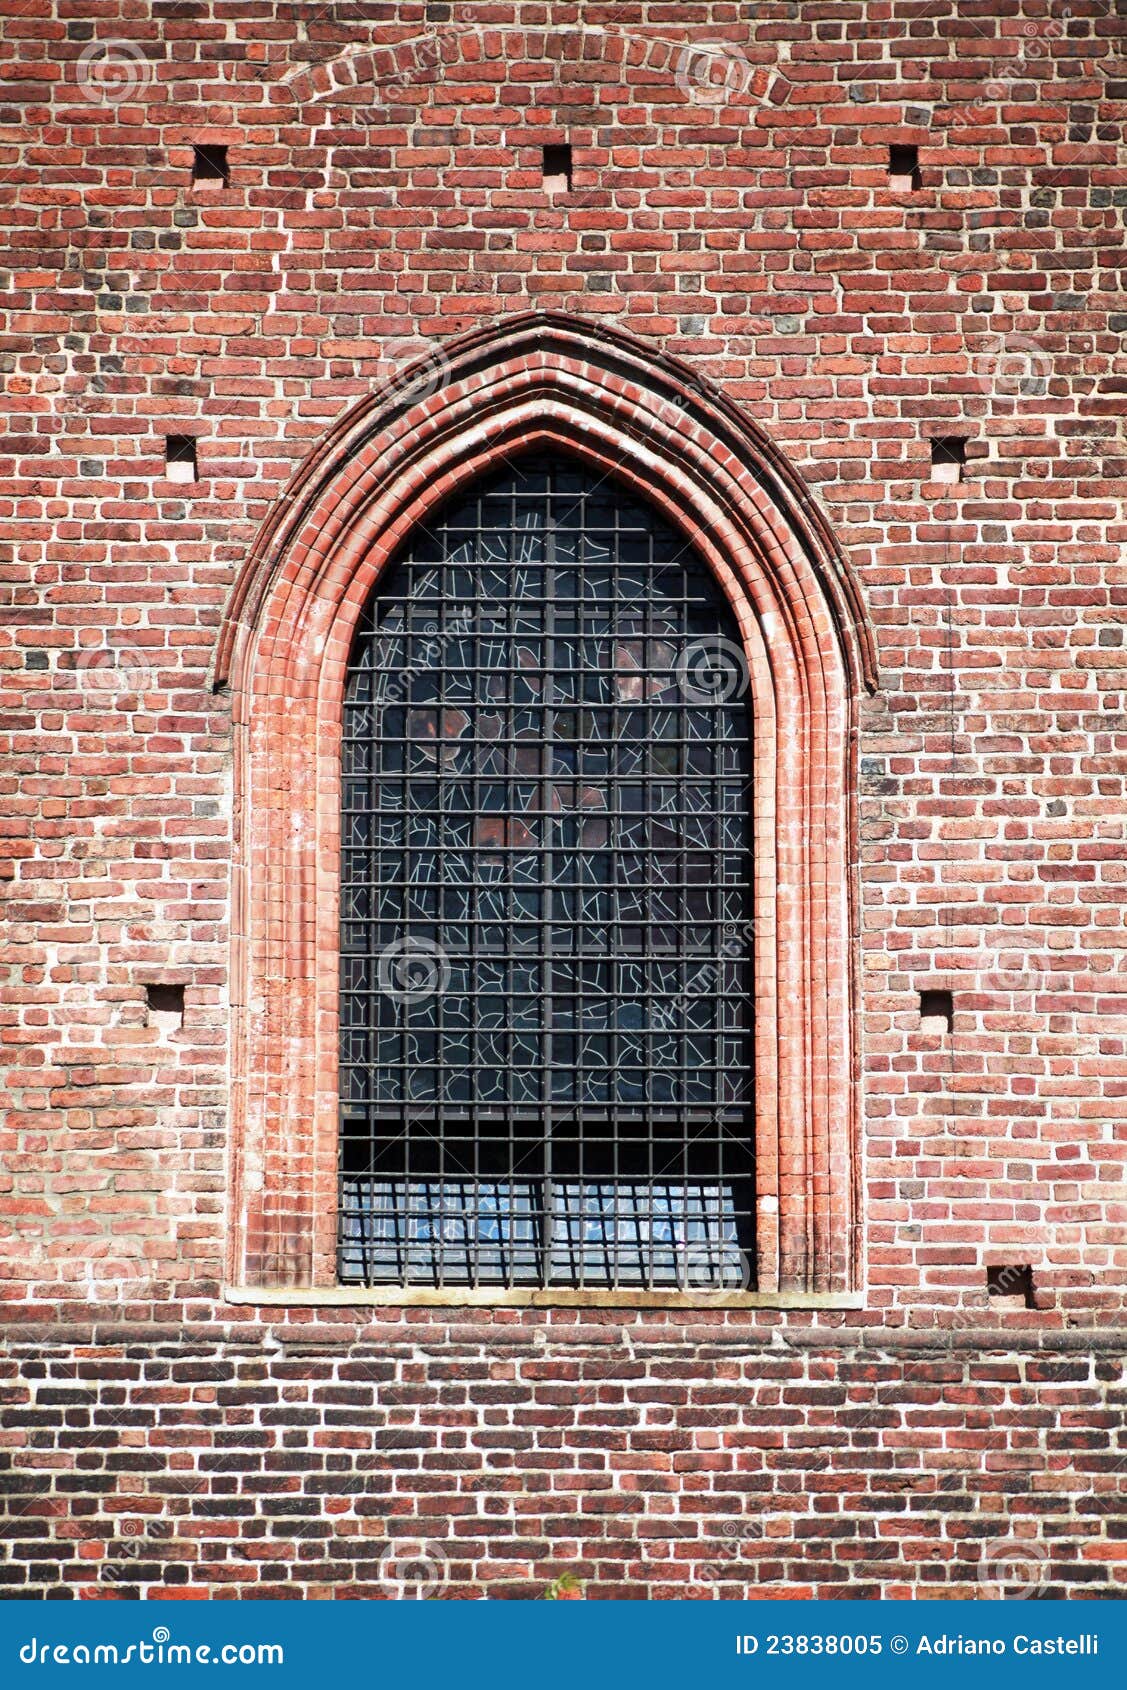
column 547, row 790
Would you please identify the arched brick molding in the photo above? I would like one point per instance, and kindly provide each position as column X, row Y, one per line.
column 750, row 75
column 284, row 648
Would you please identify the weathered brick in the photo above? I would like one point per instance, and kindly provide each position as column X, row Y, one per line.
column 737, row 213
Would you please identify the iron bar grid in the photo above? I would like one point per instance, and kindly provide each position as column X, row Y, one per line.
column 545, row 905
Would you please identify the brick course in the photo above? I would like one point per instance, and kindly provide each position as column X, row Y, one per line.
column 730, row 207
column 483, row 1458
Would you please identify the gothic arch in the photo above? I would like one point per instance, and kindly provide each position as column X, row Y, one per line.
column 284, row 645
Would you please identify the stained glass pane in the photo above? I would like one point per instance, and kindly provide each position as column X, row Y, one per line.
column 545, row 904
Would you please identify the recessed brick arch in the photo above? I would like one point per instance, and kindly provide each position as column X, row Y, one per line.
column 730, row 74
column 540, row 380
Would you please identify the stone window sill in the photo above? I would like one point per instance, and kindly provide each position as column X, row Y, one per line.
column 358, row 1296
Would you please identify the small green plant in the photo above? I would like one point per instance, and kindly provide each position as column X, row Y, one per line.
column 567, row 1588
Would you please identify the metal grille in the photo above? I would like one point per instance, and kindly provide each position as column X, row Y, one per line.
column 545, row 901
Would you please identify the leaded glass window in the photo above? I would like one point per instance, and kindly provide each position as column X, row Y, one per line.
column 545, row 903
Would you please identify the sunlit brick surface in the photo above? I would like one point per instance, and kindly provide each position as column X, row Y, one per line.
column 731, row 207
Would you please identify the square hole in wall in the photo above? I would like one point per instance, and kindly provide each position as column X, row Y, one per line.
column 180, row 457
column 165, row 1006
column 948, row 457
column 937, row 1011
column 904, row 168
column 1011, row 1283
column 209, row 164
column 557, row 168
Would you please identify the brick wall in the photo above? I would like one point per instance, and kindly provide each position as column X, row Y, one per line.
column 732, row 204
column 475, row 1459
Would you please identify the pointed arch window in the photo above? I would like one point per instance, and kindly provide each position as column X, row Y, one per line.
column 575, row 1112
column 545, row 991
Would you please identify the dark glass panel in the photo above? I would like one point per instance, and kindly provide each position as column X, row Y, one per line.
column 545, row 903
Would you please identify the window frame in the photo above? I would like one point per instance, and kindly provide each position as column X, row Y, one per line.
column 284, row 647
